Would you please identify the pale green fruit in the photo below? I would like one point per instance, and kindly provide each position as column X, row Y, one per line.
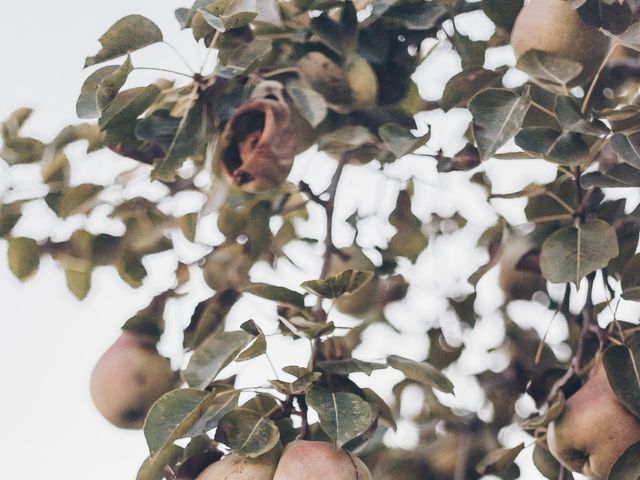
column 326, row 77
column 363, row 83
column 303, row 460
column 235, row 467
column 594, row 429
column 129, row 377
column 552, row 26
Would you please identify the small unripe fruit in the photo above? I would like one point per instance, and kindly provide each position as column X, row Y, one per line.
column 129, row 377
column 554, row 27
column 304, row 460
column 594, row 429
column 235, row 467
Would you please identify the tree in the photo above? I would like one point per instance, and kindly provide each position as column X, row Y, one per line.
column 339, row 77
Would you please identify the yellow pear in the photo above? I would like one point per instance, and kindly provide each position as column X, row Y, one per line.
column 304, row 460
column 594, row 429
column 362, row 299
column 129, row 377
column 552, row 26
column 235, row 467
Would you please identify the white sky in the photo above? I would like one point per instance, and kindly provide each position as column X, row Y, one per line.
column 50, row 341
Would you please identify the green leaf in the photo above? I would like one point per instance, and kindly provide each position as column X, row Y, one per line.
column 463, row 86
column 620, row 175
column 24, row 257
column 630, row 38
column 297, row 387
column 546, row 464
column 627, row 145
column 258, row 346
column 222, row 23
column 409, row 241
column 78, row 282
column 19, row 150
column 497, row 116
column 622, row 364
column 10, row 214
column 247, row 433
column 575, row 251
column 627, row 466
column 187, row 141
column 631, row 279
column 553, row 412
column 128, row 106
column 335, row 286
column 350, row 365
column 564, row 148
column 400, row 141
column 421, row 372
column 131, row 269
column 498, row 460
column 280, row 295
column 549, row 68
column 87, row 103
column 215, row 353
column 126, row 35
column 311, row 105
column 111, row 85
column 343, row 416
column 154, row 469
column 223, row 400
column 78, row 199
column 571, row 119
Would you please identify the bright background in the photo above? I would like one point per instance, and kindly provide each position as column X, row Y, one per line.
column 50, row 341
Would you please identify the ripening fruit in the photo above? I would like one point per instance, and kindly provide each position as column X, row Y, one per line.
column 304, row 460
column 594, row 429
column 129, row 377
column 515, row 283
column 552, row 26
column 362, row 299
column 235, row 467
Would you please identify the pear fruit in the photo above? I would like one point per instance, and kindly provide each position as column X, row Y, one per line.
column 518, row 284
column 305, row 460
column 235, row 467
column 594, row 428
column 129, row 377
column 554, row 27
column 362, row 299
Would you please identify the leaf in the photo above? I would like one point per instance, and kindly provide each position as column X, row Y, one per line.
column 421, row 372
column 546, row 464
column 497, row 116
column 280, row 295
column 384, row 411
column 549, row 68
column 78, row 199
column 222, row 23
column 570, row 118
column 627, row 466
column 335, row 286
column 622, row 364
column 628, row 147
column 297, row 387
column 621, row 175
column 154, row 469
column 128, row 105
column 79, row 282
column 109, row 87
column 10, row 214
column 185, row 413
column 553, row 412
column 564, row 148
column 87, row 103
column 631, row 279
column 247, row 433
column 343, row 416
column 498, row 460
column 21, row 150
column 259, row 345
column 630, row 38
column 465, row 85
column 215, row 353
column 130, row 33
column 351, row 365
column 24, row 257
column 311, row 105
column 575, row 251
column 400, row 141
column 187, row 141
column 409, row 240
column 131, row 269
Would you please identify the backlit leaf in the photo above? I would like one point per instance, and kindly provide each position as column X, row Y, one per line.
column 421, row 372
column 247, row 433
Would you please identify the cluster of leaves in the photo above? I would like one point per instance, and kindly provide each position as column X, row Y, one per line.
column 339, row 75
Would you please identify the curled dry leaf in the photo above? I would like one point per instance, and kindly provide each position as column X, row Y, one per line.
column 258, row 145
